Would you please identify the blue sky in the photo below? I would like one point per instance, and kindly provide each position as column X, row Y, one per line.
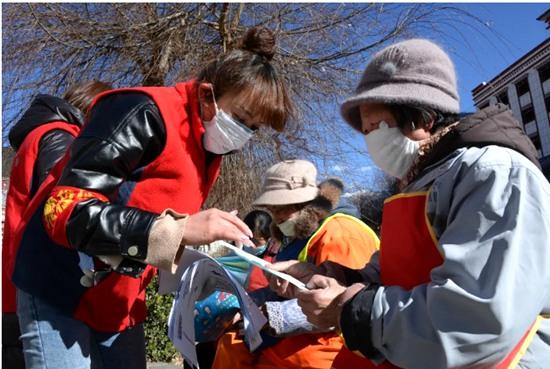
column 515, row 31
column 479, row 54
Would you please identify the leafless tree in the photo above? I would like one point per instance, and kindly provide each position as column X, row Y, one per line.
column 322, row 51
column 322, row 48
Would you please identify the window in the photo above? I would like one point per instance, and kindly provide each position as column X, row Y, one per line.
column 536, row 141
column 484, row 105
column 544, row 72
column 522, row 87
column 503, row 98
column 527, row 114
column 524, row 97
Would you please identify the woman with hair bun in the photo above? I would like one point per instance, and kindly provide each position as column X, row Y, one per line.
column 128, row 195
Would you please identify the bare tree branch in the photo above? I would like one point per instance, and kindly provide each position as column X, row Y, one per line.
column 322, row 50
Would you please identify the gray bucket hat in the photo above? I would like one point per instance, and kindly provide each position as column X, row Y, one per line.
column 415, row 72
column 289, row 182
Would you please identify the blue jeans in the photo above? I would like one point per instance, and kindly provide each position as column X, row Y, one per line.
column 54, row 340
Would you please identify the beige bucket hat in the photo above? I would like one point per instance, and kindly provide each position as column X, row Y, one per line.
column 289, row 182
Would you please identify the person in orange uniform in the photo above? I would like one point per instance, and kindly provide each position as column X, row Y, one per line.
column 310, row 233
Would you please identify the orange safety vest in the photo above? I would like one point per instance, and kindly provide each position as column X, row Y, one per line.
column 343, row 239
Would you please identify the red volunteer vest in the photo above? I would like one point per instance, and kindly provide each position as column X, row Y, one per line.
column 178, row 179
column 256, row 278
column 18, row 198
column 409, row 252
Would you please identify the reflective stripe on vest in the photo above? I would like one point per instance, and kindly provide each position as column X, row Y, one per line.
column 409, row 252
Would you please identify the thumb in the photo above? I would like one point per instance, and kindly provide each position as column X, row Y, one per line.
column 318, row 282
column 282, row 266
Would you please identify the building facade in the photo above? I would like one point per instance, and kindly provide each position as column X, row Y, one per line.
column 525, row 87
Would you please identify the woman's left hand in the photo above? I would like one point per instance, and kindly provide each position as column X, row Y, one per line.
column 320, row 303
column 299, row 270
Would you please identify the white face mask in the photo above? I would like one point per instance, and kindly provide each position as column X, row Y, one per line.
column 288, row 227
column 391, row 150
column 224, row 134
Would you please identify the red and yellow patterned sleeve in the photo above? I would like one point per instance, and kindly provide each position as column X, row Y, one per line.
column 58, row 209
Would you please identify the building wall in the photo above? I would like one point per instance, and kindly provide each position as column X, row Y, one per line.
column 521, row 88
column 538, row 128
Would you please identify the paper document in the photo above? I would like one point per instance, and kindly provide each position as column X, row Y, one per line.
column 261, row 263
column 169, row 282
column 202, row 277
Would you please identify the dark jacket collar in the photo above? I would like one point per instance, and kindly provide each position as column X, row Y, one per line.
column 43, row 109
column 494, row 125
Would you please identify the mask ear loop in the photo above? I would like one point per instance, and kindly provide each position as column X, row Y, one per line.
column 214, row 99
column 413, row 126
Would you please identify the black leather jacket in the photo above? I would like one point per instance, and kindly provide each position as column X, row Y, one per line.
column 42, row 110
column 125, row 133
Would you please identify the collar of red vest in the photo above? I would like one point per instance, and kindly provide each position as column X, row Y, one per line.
column 189, row 93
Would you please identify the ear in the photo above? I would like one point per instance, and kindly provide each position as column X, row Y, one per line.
column 205, row 92
column 428, row 126
column 206, row 101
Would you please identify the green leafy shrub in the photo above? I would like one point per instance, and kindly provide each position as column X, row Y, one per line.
column 158, row 346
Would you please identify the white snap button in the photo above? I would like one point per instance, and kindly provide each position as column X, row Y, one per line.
column 132, row 250
column 86, row 281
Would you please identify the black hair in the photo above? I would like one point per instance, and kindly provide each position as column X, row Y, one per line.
column 405, row 114
column 334, row 182
column 259, row 221
column 81, row 95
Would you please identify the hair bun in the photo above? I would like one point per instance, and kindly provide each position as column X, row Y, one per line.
column 261, row 41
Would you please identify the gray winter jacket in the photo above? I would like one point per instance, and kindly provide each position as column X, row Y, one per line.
column 489, row 206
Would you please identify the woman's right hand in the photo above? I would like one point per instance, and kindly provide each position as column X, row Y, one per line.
column 213, row 224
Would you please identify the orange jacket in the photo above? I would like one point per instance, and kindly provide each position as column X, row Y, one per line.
column 343, row 239
column 340, row 238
